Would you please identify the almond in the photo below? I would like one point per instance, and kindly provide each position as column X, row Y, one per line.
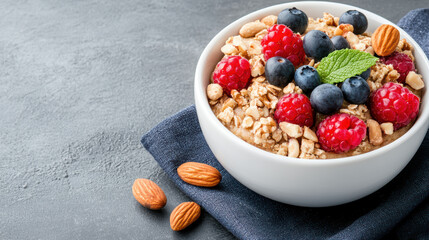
column 149, row 194
column 184, row 215
column 385, row 39
column 199, row 174
column 375, row 136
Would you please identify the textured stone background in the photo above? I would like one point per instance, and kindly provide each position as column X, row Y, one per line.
column 80, row 82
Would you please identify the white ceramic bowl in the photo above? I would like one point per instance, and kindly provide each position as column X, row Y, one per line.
column 305, row 182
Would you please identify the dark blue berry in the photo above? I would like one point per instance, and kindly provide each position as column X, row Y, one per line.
column 294, row 18
column 365, row 75
column 340, row 42
column 355, row 90
column 279, row 71
column 317, row 45
column 326, row 99
column 307, row 78
column 355, row 18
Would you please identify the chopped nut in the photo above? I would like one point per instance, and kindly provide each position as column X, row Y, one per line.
column 352, row 106
column 255, row 49
column 214, row 91
column 414, row 80
column 257, row 67
column 310, row 135
column 256, row 126
column 387, row 128
column 237, row 121
column 328, row 19
column 226, row 116
column 370, row 50
column 229, row 49
column 238, row 42
column 375, row 136
column 253, row 112
column 318, row 152
column 229, row 103
column 260, row 35
column 293, row 148
column 292, row 130
column 360, row 46
column 241, row 101
column 343, row 29
column 283, row 149
column 403, row 45
column 247, row 122
column 285, row 137
column 352, row 38
column 264, row 121
column 311, row 63
column 289, row 88
column 336, row 21
column 269, row 20
column 256, row 102
column 381, row 72
column 307, row 146
column 277, row 135
column 392, row 76
column 252, row 28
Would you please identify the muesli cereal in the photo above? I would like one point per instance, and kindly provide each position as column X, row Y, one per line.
column 316, row 88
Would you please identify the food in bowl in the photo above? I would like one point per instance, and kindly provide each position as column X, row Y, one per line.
column 335, row 91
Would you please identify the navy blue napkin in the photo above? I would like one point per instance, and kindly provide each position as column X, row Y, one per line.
column 400, row 210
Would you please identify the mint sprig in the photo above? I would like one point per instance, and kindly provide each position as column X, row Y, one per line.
column 342, row 64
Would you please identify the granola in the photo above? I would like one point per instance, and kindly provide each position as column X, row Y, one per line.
column 248, row 113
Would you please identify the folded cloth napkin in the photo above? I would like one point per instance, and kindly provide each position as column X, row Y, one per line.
column 400, row 210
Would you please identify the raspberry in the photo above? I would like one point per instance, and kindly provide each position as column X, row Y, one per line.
column 281, row 41
column 294, row 108
column 394, row 103
column 341, row 132
column 232, row 72
column 401, row 63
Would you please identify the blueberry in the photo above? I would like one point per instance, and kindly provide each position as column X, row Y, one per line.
column 355, row 90
column 326, row 99
column 317, row 44
column 355, row 18
column 307, row 78
column 340, row 42
column 279, row 71
column 365, row 75
column 294, row 18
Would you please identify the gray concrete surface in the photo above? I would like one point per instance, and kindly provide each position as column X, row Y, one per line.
column 80, row 82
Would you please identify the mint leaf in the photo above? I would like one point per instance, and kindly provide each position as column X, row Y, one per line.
column 342, row 64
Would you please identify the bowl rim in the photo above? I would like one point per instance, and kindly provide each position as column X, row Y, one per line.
column 203, row 104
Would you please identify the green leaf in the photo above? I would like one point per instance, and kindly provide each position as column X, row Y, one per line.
column 342, row 64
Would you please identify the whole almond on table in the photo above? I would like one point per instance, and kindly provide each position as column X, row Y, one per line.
column 385, row 39
column 149, row 194
column 199, row 174
column 184, row 215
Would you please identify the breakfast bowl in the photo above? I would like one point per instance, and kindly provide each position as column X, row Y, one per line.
column 306, row 182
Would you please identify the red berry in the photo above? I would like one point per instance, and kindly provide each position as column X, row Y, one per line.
column 394, row 103
column 281, row 41
column 232, row 72
column 341, row 132
column 401, row 63
column 294, row 108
